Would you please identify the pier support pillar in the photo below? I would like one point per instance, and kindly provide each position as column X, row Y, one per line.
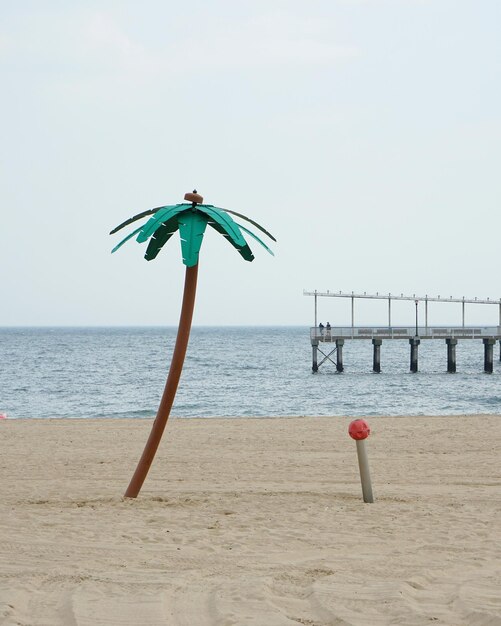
column 314, row 349
column 500, row 349
column 339, row 354
column 451, row 354
column 376, row 358
column 414, row 343
column 488, row 354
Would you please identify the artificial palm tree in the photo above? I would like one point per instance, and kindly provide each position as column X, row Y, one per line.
column 191, row 219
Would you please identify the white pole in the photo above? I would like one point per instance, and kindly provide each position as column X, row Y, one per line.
column 365, row 475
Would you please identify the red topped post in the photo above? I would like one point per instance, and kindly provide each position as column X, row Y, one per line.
column 359, row 430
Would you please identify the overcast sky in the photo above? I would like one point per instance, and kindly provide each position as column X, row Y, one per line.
column 364, row 134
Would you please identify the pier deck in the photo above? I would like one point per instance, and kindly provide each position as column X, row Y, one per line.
column 404, row 332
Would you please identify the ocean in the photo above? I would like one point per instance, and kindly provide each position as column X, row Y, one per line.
column 232, row 372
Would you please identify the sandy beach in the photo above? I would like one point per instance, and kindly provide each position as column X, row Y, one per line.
column 250, row 521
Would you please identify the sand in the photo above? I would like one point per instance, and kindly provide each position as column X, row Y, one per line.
column 250, row 521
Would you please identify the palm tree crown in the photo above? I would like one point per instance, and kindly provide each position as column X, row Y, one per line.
column 191, row 220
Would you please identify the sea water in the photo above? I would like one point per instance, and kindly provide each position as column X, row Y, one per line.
column 232, row 372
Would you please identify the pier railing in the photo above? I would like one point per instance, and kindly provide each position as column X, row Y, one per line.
column 403, row 332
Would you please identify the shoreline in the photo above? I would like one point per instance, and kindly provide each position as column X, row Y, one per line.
column 7, row 417
column 250, row 521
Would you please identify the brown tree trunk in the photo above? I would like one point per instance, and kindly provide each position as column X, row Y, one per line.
column 183, row 335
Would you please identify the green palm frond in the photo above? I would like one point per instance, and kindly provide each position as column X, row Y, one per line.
column 161, row 216
column 192, row 225
column 129, row 236
column 249, row 232
column 138, row 217
column 160, row 237
column 248, row 219
column 226, row 226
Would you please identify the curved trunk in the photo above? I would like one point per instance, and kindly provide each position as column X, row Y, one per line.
column 183, row 335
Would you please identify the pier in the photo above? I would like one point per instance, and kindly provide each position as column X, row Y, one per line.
column 327, row 341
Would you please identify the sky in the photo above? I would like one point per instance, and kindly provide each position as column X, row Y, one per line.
column 364, row 134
